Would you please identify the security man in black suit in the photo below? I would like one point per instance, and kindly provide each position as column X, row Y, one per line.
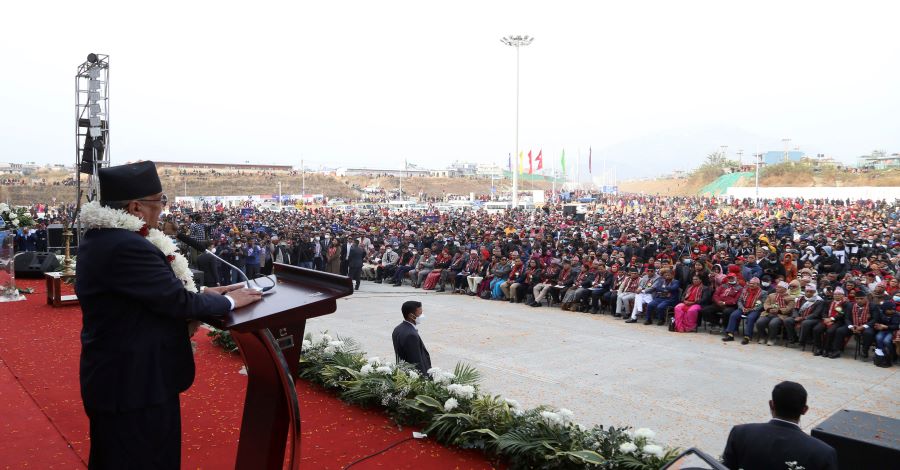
column 210, row 266
column 136, row 353
column 41, row 237
column 408, row 346
column 355, row 262
column 766, row 446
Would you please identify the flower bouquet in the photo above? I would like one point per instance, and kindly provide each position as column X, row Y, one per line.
column 10, row 221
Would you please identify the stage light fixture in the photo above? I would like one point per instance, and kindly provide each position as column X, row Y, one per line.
column 94, row 96
column 92, row 58
column 94, row 85
column 94, row 73
column 95, row 121
column 95, row 110
column 96, row 132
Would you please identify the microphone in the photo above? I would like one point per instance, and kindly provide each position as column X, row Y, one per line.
column 199, row 247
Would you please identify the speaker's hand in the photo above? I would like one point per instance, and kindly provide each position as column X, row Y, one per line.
column 243, row 297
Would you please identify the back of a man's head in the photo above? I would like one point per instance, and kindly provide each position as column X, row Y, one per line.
column 788, row 401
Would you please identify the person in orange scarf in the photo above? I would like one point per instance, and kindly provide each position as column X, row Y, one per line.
column 686, row 312
column 790, row 267
column 749, row 306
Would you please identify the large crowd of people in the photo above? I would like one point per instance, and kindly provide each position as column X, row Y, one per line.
column 35, row 182
column 810, row 274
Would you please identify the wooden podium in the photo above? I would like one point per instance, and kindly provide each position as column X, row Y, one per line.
column 269, row 335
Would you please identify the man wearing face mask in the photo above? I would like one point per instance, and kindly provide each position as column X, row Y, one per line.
column 208, row 263
column 772, row 267
column 408, row 345
column 238, row 259
column 807, row 314
column 684, row 271
column 282, row 252
column 388, row 264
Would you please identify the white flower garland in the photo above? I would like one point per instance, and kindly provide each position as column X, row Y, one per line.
column 93, row 215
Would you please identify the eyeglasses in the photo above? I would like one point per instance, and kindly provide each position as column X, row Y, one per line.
column 162, row 200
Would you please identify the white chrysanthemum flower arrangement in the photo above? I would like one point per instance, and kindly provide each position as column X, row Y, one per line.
column 441, row 377
column 15, row 217
column 466, row 392
column 450, row 404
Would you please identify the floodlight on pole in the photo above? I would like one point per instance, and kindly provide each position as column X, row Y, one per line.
column 517, row 42
column 759, row 158
column 91, row 127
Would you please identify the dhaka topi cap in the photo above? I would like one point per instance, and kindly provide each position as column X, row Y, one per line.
column 129, row 182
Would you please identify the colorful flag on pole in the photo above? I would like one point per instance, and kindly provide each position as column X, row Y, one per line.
column 540, row 160
column 509, row 162
column 562, row 162
column 589, row 161
column 521, row 155
column 530, row 166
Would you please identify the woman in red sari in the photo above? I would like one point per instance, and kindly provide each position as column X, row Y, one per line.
column 686, row 312
column 440, row 263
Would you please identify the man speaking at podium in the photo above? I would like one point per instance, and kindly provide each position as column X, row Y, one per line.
column 136, row 354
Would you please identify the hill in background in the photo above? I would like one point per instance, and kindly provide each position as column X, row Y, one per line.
column 784, row 174
column 59, row 185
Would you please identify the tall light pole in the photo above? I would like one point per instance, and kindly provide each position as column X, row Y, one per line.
column 758, row 162
column 787, row 145
column 400, row 196
column 517, row 42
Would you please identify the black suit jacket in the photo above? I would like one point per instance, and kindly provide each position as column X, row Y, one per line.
column 409, row 347
column 767, row 446
column 357, row 255
column 135, row 349
column 210, row 267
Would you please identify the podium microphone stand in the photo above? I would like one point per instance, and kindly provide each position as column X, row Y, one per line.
column 269, row 335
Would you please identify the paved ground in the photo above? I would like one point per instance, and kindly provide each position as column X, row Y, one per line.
column 690, row 388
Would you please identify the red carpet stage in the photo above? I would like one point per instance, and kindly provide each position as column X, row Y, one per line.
column 44, row 426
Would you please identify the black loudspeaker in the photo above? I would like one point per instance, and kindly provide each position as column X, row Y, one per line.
column 35, row 264
column 93, row 147
column 569, row 209
column 578, row 217
column 55, row 236
column 862, row 440
column 56, row 240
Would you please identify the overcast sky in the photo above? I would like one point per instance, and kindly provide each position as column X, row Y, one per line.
column 371, row 83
